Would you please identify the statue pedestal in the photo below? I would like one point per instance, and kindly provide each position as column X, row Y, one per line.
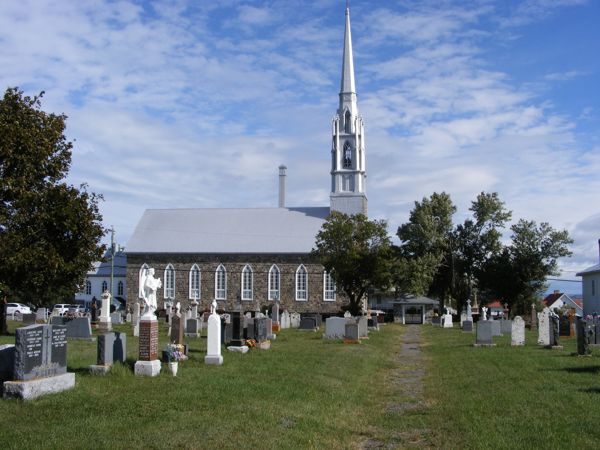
column 148, row 363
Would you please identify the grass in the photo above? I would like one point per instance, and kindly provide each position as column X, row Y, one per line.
column 309, row 393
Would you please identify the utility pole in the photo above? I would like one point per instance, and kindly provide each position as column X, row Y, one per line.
column 112, row 257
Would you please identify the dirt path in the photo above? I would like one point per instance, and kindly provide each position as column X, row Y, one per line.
column 406, row 383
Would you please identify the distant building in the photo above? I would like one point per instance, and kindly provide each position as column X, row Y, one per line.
column 248, row 257
column 590, row 280
column 558, row 300
column 97, row 281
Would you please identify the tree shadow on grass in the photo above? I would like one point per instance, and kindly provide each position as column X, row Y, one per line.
column 594, row 390
column 586, row 369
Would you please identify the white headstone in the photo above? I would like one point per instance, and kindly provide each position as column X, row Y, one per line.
column 447, row 320
column 544, row 328
column 335, row 328
column 213, row 338
column 518, row 331
column 294, row 320
column 285, row 320
column 347, row 314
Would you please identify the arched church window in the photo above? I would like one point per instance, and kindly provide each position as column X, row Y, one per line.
column 301, row 283
column 221, row 283
column 194, row 282
column 104, row 286
column 247, row 282
column 274, row 282
column 88, row 288
column 347, row 155
column 348, row 122
column 169, row 282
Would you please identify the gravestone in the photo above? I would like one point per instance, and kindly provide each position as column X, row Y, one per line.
column 28, row 319
column 517, row 332
column 226, row 332
column 7, row 362
column 554, row 331
column 294, row 320
column 77, row 327
column 351, row 335
column 505, row 326
column 373, row 323
column 249, row 328
column 363, row 328
column 104, row 322
column 116, row 318
column 496, row 328
column 285, row 320
column 544, row 327
column 270, row 334
column 111, row 348
column 136, row 319
column 347, row 315
column 534, row 318
column 335, row 328
column 192, row 328
column 40, row 362
column 483, row 335
column 238, row 344
column 564, row 326
column 260, row 329
column 128, row 317
column 583, row 337
column 177, row 329
column 41, row 314
column 447, row 321
column 436, row 321
column 148, row 363
column 467, row 326
column 213, row 338
column 308, row 324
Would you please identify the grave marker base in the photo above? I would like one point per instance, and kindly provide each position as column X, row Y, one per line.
column 96, row 369
column 216, row 360
column 264, row 345
column 238, row 349
column 147, row 368
column 28, row 390
column 484, row 345
column 555, row 347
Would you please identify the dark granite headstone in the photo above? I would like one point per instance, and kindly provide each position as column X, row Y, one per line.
column 583, row 337
column 249, row 329
column 226, row 332
column 484, row 332
column 7, row 362
column 554, row 331
column 28, row 319
column 496, row 328
column 177, row 329
column 351, row 331
column 77, row 327
column 308, row 323
column 192, row 327
column 467, row 326
column 40, row 351
column 316, row 317
column 564, row 326
column 236, row 330
column 260, row 329
column 436, row 321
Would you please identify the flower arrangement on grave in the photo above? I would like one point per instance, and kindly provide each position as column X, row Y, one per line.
column 251, row 343
column 175, row 353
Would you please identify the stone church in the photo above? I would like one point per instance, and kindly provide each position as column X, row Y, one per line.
column 250, row 257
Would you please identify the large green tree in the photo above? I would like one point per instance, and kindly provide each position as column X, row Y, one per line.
column 357, row 252
column 49, row 231
column 424, row 255
column 518, row 274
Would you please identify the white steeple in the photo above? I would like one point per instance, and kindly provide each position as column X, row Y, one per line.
column 348, row 146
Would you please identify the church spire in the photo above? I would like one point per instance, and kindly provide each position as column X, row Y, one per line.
column 348, row 146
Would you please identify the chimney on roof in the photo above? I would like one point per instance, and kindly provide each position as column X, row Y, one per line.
column 556, row 291
column 282, row 170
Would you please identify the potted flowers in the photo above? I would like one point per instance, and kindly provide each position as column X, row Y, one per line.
column 175, row 353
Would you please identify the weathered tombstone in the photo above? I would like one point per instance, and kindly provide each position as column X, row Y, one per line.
column 260, row 329
column 192, row 328
column 285, row 320
column 436, row 321
column 213, row 338
column 534, row 318
column 335, row 328
column 28, row 319
column 467, row 326
column 249, row 328
column 496, row 328
column 136, row 319
column 517, row 332
column 505, row 326
column 148, row 363
column 448, row 321
column 554, row 331
column 583, row 338
column 373, row 323
column 363, row 328
column 351, row 335
column 116, row 318
column 111, row 348
column 483, row 335
column 544, row 327
column 294, row 320
column 128, row 317
column 41, row 314
column 226, row 331
column 40, row 362
column 177, row 329
column 308, row 324
column 564, row 326
column 238, row 344
column 77, row 327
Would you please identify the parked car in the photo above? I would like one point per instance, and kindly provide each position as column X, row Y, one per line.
column 60, row 309
column 17, row 309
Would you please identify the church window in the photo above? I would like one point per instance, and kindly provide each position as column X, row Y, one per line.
column 220, row 283
column 347, row 122
column 88, row 288
column 104, row 286
column 274, row 282
column 301, row 284
column 142, row 275
column 328, row 287
column 247, row 283
column 120, row 289
column 347, row 155
column 170, row 282
column 194, row 282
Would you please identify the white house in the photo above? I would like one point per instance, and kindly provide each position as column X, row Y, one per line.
column 97, row 280
column 557, row 300
column 590, row 279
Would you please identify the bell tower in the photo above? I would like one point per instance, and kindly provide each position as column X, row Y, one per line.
column 348, row 142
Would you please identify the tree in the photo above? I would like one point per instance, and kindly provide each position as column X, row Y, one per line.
column 518, row 274
column 357, row 253
column 425, row 260
column 49, row 230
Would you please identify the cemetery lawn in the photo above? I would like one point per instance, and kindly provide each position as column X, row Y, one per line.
column 309, row 393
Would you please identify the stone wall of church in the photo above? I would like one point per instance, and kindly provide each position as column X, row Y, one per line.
column 234, row 264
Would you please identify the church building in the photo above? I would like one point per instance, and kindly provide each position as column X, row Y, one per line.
column 250, row 257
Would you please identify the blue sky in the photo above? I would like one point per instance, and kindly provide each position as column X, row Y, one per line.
column 176, row 104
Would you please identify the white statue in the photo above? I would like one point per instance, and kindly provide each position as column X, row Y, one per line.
column 151, row 285
column 485, row 310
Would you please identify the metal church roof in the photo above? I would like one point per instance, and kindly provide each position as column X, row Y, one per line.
column 235, row 230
